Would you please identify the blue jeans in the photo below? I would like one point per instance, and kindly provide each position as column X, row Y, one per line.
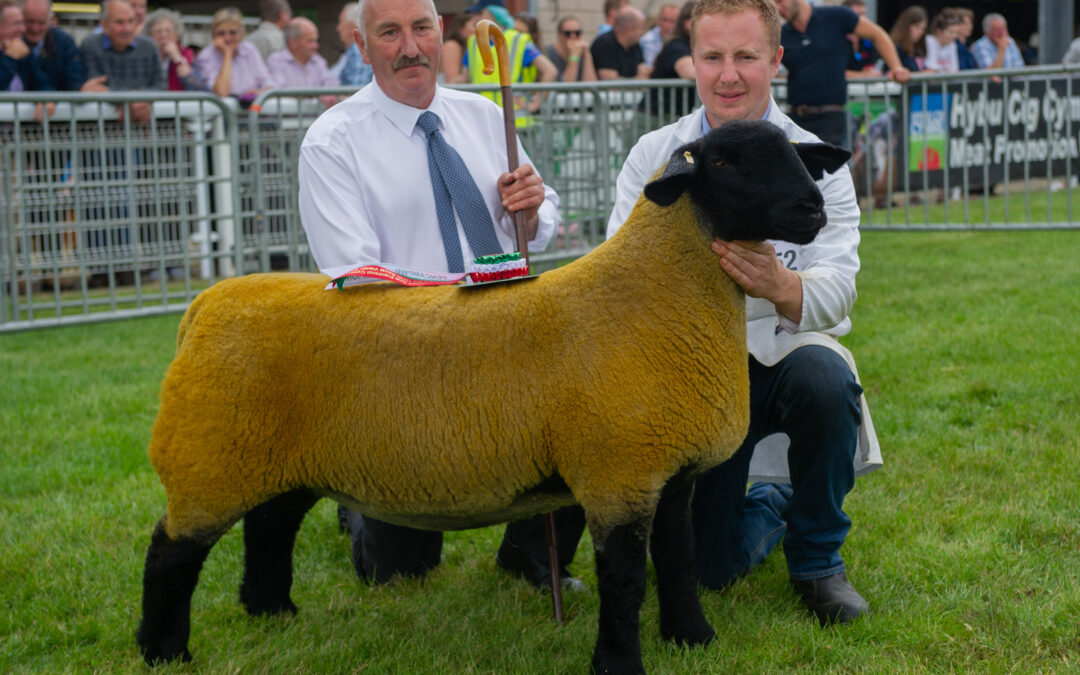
column 812, row 396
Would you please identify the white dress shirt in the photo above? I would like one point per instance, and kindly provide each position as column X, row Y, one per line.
column 827, row 268
column 365, row 190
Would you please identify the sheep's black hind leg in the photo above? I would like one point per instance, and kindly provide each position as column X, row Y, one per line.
column 269, row 535
column 172, row 570
column 620, row 572
column 672, row 547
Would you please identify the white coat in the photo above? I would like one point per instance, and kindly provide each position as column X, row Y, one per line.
column 827, row 268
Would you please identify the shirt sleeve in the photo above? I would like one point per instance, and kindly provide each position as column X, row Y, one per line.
column 635, row 173
column 829, row 281
column 332, row 212
column 531, row 52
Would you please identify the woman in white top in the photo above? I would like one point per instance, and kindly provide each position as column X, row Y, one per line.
column 941, row 54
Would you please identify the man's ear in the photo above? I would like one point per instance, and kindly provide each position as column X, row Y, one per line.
column 358, row 37
column 821, row 157
column 679, row 172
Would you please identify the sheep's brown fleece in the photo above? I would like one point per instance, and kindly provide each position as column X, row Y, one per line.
column 445, row 407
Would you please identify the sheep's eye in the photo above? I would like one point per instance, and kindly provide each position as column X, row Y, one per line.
column 719, row 162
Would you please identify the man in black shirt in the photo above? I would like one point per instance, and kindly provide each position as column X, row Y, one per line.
column 617, row 54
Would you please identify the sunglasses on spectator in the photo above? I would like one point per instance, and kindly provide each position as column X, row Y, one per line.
column 571, row 33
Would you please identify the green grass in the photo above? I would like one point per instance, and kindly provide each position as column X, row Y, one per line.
column 966, row 543
column 1013, row 209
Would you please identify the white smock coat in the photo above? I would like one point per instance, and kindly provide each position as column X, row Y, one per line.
column 827, row 268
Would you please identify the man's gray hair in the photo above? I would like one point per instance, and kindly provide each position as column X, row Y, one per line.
column 991, row 18
column 108, row 3
column 173, row 17
column 292, row 30
column 351, row 12
column 270, row 10
column 362, row 22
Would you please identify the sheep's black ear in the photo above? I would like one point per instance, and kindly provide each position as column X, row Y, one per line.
column 680, row 170
column 821, row 157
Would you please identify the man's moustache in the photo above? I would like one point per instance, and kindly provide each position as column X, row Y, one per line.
column 406, row 61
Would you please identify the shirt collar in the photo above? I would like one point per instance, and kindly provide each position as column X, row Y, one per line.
column 403, row 116
column 107, row 44
column 705, row 128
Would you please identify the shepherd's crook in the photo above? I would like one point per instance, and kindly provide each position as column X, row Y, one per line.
column 486, row 30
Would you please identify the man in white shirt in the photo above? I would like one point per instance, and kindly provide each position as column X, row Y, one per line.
column 366, row 196
column 802, row 381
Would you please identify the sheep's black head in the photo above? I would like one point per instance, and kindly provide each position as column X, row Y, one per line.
column 750, row 182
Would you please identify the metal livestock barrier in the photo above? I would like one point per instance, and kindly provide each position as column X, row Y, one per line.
column 105, row 217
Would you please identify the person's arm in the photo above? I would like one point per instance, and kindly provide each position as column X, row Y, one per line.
column 643, row 71
column 684, row 67
column 222, row 83
column 1002, row 44
column 603, row 71
column 527, row 190
column 827, row 284
column 72, row 69
column 643, row 160
column 587, row 72
column 331, row 207
column 885, row 48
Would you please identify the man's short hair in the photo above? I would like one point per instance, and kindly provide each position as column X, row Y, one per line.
column 173, row 17
column 627, row 17
column 351, row 12
column 292, row 30
column 270, row 10
column 362, row 20
column 612, row 5
column 991, row 18
column 108, row 3
column 765, row 8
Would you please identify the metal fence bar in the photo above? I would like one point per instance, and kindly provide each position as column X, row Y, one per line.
column 93, row 207
column 156, row 212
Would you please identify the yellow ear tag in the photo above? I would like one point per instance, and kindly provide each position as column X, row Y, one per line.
column 689, row 157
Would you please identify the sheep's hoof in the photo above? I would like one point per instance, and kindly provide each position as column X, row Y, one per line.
column 690, row 636
column 256, row 607
column 606, row 661
column 156, row 657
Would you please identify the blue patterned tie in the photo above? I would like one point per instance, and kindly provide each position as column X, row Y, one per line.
column 452, row 183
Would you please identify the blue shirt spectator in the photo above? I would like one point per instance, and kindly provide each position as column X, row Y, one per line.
column 353, row 69
column 995, row 49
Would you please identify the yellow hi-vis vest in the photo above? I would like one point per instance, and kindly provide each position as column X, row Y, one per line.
column 516, row 42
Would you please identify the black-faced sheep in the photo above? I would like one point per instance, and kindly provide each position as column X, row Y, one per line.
column 629, row 378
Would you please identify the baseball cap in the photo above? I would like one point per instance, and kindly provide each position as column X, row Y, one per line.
column 484, row 4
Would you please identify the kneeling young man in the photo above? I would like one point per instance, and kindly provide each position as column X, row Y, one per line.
column 802, row 381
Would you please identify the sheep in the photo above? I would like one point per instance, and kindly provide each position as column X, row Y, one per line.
column 611, row 382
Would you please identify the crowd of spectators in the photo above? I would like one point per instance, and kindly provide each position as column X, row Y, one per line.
column 130, row 50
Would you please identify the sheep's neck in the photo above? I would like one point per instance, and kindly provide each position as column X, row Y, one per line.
column 665, row 249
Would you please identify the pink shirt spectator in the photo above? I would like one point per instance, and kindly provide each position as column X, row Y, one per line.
column 286, row 71
column 249, row 73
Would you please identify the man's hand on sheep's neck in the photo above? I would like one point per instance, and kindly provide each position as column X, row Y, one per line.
column 753, row 265
column 523, row 190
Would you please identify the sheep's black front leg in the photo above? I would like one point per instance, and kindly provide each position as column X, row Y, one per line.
column 172, row 570
column 620, row 576
column 672, row 546
column 269, row 535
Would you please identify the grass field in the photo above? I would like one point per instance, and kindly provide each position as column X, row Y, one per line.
column 966, row 544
